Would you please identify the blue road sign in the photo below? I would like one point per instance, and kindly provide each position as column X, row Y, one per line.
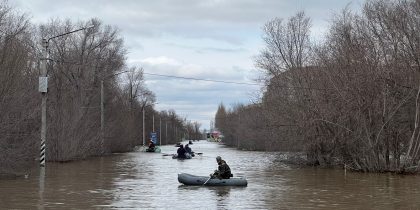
column 153, row 136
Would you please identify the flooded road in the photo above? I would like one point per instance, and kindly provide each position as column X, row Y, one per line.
column 140, row 180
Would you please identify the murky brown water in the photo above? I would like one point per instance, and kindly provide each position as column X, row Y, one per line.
column 149, row 181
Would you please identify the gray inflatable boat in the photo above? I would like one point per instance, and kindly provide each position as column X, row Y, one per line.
column 189, row 179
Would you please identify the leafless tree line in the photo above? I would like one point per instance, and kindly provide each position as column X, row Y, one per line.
column 77, row 65
column 351, row 99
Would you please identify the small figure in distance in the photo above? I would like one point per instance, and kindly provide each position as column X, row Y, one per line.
column 189, row 151
column 152, row 146
column 223, row 170
column 181, row 152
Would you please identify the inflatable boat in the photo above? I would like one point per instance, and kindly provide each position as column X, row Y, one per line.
column 189, row 179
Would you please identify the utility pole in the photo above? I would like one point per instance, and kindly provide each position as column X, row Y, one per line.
column 103, row 108
column 160, row 130
column 153, row 121
column 239, row 122
column 144, row 135
column 166, row 131
column 43, row 88
column 102, row 116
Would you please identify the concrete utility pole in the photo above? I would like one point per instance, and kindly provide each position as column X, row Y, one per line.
column 102, row 116
column 103, row 109
column 144, row 135
column 160, row 130
column 43, row 88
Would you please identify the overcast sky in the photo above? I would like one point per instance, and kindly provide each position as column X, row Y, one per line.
column 207, row 39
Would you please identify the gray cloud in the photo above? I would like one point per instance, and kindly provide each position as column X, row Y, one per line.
column 208, row 49
column 209, row 39
column 184, row 18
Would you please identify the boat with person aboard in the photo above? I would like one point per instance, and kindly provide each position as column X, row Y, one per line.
column 189, row 179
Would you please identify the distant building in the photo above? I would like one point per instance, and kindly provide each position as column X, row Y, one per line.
column 214, row 136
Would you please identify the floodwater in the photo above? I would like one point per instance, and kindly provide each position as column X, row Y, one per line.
column 141, row 180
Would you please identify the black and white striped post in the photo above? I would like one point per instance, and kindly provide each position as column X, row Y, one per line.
column 42, row 154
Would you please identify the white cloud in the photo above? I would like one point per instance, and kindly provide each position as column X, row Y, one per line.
column 161, row 60
column 170, row 66
column 195, row 98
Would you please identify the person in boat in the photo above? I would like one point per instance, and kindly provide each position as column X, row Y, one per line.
column 181, row 152
column 188, row 150
column 152, row 146
column 223, row 170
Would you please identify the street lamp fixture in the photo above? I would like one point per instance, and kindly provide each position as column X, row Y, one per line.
column 43, row 88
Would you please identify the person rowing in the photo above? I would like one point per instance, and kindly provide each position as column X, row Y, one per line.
column 181, row 152
column 189, row 151
column 152, row 146
column 223, row 170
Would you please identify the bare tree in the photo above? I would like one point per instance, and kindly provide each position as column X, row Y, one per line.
column 287, row 44
column 357, row 103
column 17, row 89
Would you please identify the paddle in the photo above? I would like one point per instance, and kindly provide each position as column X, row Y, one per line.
column 207, row 180
column 198, row 153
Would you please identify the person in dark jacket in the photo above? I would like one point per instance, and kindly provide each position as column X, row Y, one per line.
column 223, row 170
column 181, row 152
column 152, row 146
column 188, row 150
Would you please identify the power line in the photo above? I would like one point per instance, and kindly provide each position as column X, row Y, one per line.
column 207, row 80
column 198, row 79
column 230, row 82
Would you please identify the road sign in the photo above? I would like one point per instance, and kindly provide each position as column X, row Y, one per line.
column 153, row 136
column 43, row 84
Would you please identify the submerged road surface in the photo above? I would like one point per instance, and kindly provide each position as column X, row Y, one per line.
column 141, row 180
